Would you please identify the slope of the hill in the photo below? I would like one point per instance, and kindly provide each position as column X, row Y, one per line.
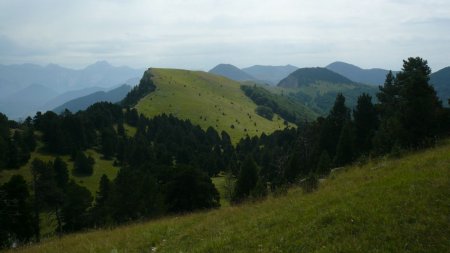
column 375, row 76
column 81, row 103
column 270, row 74
column 317, row 88
column 232, row 72
column 441, row 82
column 399, row 205
column 101, row 167
column 206, row 100
column 305, row 76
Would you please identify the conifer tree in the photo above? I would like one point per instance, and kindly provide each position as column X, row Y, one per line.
column 247, row 179
column 365, row 122
column 344, row 151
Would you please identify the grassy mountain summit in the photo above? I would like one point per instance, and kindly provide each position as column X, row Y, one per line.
column 207, row 100
column 232, row 72
column 398, row 205
column 307, row 76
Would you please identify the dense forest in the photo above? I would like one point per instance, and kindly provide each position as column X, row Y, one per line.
column 166, row 167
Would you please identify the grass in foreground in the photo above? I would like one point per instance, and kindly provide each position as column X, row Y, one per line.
column 400, row 205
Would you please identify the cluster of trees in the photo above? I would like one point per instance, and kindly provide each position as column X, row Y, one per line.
column 136, row 193
column 16, row 143
column 166, row 166
column 408, row 115
column 268, row 103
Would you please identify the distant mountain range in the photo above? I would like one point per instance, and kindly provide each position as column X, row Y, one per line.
column 67, row 96
column 100, row 74
column 258, row 73
column 375, row 76
column 232, row 72
column 441, row 82
column 270, row 74
column 317, row 88
column 81, row 103
column 26, row 101
column 27, row 88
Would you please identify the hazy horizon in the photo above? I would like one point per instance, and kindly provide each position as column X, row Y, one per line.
column 201, row 34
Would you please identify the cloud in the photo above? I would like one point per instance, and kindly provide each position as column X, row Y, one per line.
column 200, row 33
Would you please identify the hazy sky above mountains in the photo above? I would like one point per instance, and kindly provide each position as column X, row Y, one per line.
column 200, row 34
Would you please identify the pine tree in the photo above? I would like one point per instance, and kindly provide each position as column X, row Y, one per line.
column 419, row 105
column 247, row 179
column 74, row 210
column 61, row 172
column 324, row 165
column 101, row 211
column 365, row 122
column 16, row 220
column 83, row 165
column 333, row 125
column 344, row 151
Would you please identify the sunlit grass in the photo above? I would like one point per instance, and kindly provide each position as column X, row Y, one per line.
column 206, row 100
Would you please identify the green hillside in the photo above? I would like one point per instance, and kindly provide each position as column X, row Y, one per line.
column 101, row 166
column 388, row 205
column 306, row 76
column 207, row 100
column 90, row 182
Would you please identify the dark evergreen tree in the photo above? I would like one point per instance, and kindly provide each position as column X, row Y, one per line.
column 120, row 129
column 332, row 126
column 83, row 165
column 189, row 189
column 61, row 173
column 345, row 151
column 16, row 220
column 47, row 196
column 247, row 180
column 100, row 211
column 419, row 104
column 108, row 142
column 389, row 125
column 324, row 165
column 136, row 194
column 74, row 210
column 365, row 122
column 260, row 190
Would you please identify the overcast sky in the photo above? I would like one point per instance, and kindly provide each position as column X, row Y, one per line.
column 200, row 34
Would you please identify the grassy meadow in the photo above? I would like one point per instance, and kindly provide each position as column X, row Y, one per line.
column 206, row 100
column 386, row 205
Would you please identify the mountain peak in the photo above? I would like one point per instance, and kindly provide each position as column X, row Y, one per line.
column 99, row 65
column 341, row 64
column 270, row 74
column 306, row 76
column 232, row 72
column 373, row 76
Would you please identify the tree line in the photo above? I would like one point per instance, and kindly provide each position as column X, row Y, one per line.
column 167, row 165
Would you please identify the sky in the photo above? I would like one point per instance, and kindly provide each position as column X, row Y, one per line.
column 198, row 34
